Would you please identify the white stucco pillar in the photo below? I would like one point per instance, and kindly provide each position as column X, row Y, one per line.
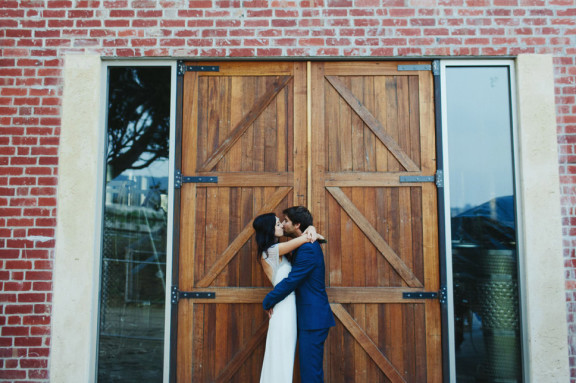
column 78, row 232
column 546, row 342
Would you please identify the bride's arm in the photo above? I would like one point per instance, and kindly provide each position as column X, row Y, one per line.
column 293, row 244
column 309, row 235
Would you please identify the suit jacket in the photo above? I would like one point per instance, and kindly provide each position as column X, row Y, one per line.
column 307, row 279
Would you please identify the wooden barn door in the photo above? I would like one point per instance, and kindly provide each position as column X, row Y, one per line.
column 245, row 138
column 373, row 126
column 239, row 125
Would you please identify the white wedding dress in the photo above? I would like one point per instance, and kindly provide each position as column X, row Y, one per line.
column 278, row 364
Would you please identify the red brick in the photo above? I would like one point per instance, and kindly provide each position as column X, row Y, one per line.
column 18, row 309
column 39, row 275
column 8, row 297
column 42, row 286
column 17, row 286
column 28, row 341
column 10, row 212
column 36, row 320
column 38, row 374
column 18, row 265
column 37, row 352
column 9, row 253
column 11, row 363
column 144, row 23
column 15, row 331
column 31, row 297
column 42, row 309
column 12, row 374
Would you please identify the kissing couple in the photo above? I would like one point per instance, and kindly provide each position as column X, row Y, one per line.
column 298, row 306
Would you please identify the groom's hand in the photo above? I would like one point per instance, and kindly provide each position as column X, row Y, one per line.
column 269, row 312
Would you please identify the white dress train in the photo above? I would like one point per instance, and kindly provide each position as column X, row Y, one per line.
column 278, row 364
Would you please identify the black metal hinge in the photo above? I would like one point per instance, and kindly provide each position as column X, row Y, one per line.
column 183, row 68
column 414, row 67
column 435, row 67
column 438, row 178
column 179, row 179
column 440, row 295
column 177, row 295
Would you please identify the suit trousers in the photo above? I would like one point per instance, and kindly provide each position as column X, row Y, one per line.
column 311, row 354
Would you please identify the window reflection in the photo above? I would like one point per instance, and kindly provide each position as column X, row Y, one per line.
column 135, row 221
column 484, row 255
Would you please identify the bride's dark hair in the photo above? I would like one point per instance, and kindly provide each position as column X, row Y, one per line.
column 265, row 226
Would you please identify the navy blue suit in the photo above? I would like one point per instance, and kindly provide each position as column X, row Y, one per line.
column 313, row 310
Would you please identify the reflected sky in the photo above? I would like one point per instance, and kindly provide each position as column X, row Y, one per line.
column 479, row 131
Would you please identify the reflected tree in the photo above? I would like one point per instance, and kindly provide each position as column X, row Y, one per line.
column 138, row 117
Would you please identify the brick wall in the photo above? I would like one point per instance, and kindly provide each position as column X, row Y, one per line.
column 35, row 35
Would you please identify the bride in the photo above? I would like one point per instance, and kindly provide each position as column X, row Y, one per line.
column 278, row 364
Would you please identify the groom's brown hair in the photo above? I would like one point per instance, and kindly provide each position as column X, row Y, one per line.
column 299, row 214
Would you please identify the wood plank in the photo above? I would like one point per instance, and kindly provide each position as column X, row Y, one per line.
column 318, row 165
column 223, row 229
column 371, row 68
column 372, row 295
column 224, row 115
column 375, row 237
column 236, row 113
column 427, row 123
column 405, row 229
column 393, row 238
column 249, row 97
column 404, row 112
column 335, row 246
column 283, row 120
column 209, row 345
column 368, row 179
column 198, row 127
column 369, row 139
column 398, row 326
column 415, row 119
column 211, row 237
column 381, row 114
column 367, row 344
column 392, row 123
column 344, row 132
column 245, row 179
column 358, row 313
column 373, row 123
column 371, row 328
column 357, row 128
column 332, row 127
column 239, row 68
column 235, row 363
column 297, row 138
column 410, row 351
column 358, row 241
column 258, row 147
column 185, row 345
column 245, row 123
column 195, row 328
column 222, row 326
column 371, row 253
column 223, row 259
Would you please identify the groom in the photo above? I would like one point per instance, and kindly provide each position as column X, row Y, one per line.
column 313, row 310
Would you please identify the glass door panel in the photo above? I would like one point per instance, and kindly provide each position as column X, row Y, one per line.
column 133, row 285
column 483, row 230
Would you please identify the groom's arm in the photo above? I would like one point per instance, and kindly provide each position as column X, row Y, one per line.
column 301, row 268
